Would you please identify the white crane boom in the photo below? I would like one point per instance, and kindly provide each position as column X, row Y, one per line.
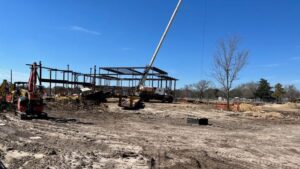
column 146, row 72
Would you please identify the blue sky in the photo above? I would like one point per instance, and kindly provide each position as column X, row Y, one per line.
column 83, row 33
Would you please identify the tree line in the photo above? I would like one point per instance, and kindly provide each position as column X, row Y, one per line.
column 228, row 61
column 261, row 90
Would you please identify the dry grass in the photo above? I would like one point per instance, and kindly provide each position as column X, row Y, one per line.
column 257, row 112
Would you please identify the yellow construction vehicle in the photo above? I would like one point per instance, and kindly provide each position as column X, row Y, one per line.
column 5, row 95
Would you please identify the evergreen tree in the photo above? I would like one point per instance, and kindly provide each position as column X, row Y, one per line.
column 292, row 93
column 264, row 90
column 279, row 92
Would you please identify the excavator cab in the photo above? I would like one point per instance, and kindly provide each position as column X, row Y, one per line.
column 31, row 108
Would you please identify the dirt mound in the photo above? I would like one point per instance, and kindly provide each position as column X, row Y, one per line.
column 63, row 105
column 256, row 111
column 264, row 115
column 248, row 107
column 291, row 105
column 287, row 107
column 69, row 104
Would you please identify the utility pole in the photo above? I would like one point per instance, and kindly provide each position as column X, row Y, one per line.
column 11, row 76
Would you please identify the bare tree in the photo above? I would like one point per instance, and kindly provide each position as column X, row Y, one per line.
column 187, row 90
column 201, row 86
column 246, row 90
column 292, row 93
column 228, row 62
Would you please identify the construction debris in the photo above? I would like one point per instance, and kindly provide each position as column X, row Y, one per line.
column 201, row 121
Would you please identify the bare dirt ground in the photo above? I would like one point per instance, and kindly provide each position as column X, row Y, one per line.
column 156, row 137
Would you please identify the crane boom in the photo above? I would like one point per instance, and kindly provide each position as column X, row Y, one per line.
column 148, row 68
column 134, row 101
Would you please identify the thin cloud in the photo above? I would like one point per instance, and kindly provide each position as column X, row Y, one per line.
column 84, row 30
column 268, row 65
column 295, row 58
column 126, row 48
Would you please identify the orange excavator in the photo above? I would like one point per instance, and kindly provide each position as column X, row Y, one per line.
column 31, row 105
column 135, row 101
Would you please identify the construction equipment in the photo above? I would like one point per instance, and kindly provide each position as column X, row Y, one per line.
column 4, row 90
column 153, row 93
column 89, row 95
column 31, row 105
column 134, row 101
column 6, row 96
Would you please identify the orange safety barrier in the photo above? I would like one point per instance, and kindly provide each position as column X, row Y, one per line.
column 223, row 106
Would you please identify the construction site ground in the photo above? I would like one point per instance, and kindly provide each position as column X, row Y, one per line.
column 158, row 136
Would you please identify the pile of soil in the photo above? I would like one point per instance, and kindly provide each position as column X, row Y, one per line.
column 257, row 112
column 291, row 105
column 263, row 114
column 74, row 105
column 249, row 107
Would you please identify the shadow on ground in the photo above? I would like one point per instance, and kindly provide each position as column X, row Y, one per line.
column 2, row 165
column 68, row 120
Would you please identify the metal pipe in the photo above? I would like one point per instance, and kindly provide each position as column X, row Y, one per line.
column 91, row 70
column 55, row 82
column 99, row 76
column 68, row 67
column 41, row 77
column 94, row 78
column 50, row 83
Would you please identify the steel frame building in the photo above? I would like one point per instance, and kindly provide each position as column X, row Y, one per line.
column 106, row 78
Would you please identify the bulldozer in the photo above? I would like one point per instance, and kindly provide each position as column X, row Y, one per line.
column 31, row 104
column 135, row 101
